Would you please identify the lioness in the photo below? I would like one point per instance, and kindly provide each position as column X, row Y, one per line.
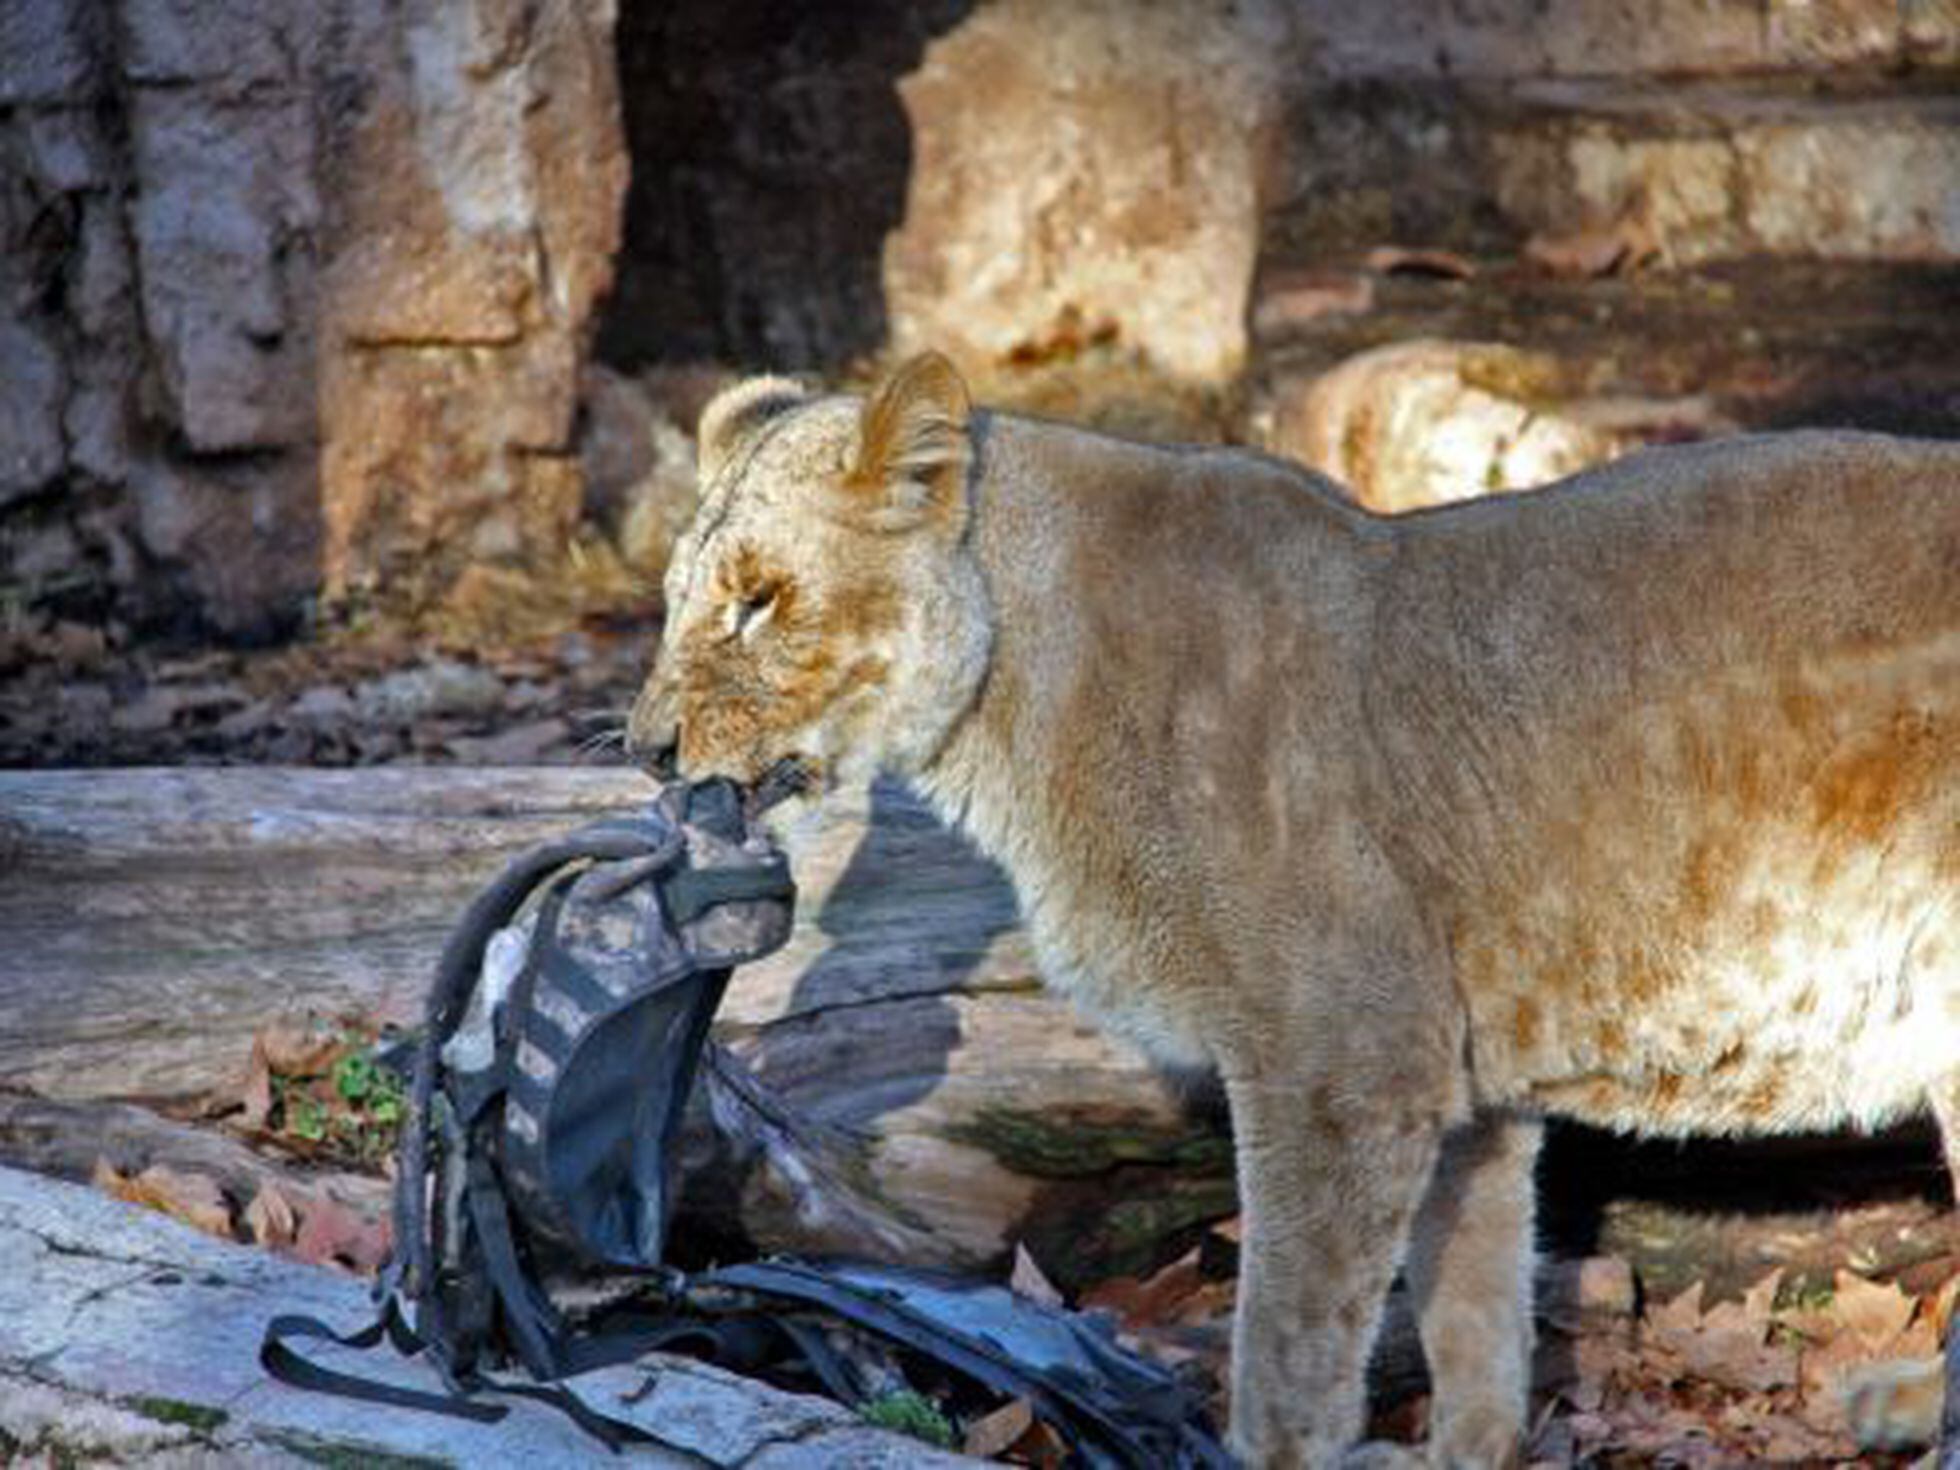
column 1635, row 800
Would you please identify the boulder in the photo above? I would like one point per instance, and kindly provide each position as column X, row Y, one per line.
column 1427, row 422
column 1087, row 171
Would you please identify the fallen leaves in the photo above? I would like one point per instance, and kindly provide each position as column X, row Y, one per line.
column 332, row 1233
column 305, row 1224
column 311, row 1092
column 195, row 1199
column 995, row 1434
column 1687, row 1382
column 1766, row 1378
column 314, row 1089
column 1728, row 1344
column 1181, row 1315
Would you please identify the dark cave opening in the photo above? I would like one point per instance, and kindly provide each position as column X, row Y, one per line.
column 770, row 157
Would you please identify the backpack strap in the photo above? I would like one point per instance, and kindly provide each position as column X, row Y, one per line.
column 693, row 891
column 287, row 1366
column 281, row 1362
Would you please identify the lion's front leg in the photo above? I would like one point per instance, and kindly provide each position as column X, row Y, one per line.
column 1330, row 1174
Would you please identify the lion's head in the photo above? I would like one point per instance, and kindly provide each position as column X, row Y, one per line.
column 823, row 615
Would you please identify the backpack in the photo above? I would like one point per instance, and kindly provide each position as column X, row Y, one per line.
column 533, row 1188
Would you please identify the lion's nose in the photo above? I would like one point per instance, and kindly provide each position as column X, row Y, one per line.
column 657, row 754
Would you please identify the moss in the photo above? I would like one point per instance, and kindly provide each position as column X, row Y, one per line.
column 1534, row 378
column 342, row 1456
column 1030, row 1143
column 1139, row 1226
column 199, row 1417
column 906, row 1412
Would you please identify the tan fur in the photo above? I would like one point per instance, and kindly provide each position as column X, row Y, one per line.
column 1636, row 800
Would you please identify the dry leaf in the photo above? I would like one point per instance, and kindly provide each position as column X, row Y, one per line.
column 193, row 1198
column 1940, row 1306
column 332, row 1234
column 272, row 1218
column 1027, row 1279
column 994, row 1434
column 1728, row 1344
column 298, row 1048
column 1298, row 301
column 255, row 1093
column 1877, row 1314
column 1677, row 1317
column 1041, row 1447
column 1151, row 1301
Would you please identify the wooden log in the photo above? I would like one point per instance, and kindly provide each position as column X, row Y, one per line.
column 896, row 1062
column 69, row 1140
column 893, row 1082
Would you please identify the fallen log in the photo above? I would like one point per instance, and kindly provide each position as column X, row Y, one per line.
column 893, row 1082
column 896, row 1065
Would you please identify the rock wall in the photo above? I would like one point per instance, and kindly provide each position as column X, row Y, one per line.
column 283, row 305
column 294, row 298
column 475, row 191
column 159, row 250
column 1728, row 128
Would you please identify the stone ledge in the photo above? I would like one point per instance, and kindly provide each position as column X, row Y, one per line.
column 130, row 1339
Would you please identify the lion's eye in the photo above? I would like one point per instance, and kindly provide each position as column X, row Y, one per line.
column 748, row 613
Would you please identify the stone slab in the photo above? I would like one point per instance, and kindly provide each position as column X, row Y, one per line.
column 128, row 1338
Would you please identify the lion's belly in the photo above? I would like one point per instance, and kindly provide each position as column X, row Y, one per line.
column 1747, row 919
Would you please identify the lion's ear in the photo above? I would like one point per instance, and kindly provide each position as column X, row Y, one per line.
column 737, row 412
column 913, row 449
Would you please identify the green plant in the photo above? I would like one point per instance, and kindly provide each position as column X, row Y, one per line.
column 907, row 1412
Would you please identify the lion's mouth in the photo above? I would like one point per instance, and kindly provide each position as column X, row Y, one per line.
column 791, row 776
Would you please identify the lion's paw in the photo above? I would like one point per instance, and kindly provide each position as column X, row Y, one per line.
column 1895, row 1405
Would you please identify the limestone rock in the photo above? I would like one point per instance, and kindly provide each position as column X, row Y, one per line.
column 1087, row 169
column 224, row 185
column 48, row 51
column 1723, row 172
column 1427, row 422
column 295, row 294
column 1525, row 38
column 476, row 229
column 1880, row 188
column 129, row 1339
column 233, row 44
column 30, row 410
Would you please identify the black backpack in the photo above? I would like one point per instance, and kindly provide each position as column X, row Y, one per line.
column 533, row 1192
